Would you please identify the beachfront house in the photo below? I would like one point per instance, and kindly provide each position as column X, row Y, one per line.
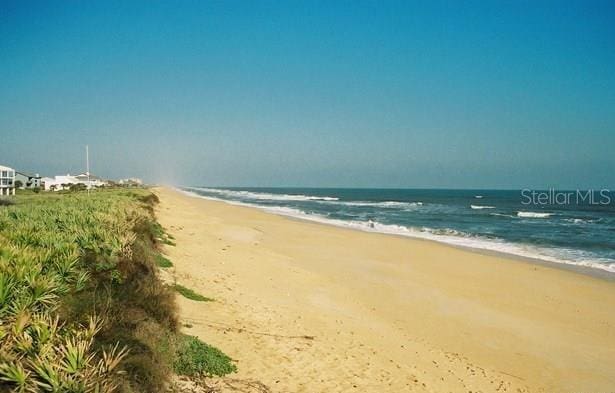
column 63, row 182
column 27, row 180
column 60, row 182
column 7, row 180
column 92, row 180
column 131, row 182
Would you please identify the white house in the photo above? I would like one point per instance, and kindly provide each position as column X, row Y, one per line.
column 58, row 183
column 46, row 180
column 7, row 180
column 132, row 181
column 92, row 180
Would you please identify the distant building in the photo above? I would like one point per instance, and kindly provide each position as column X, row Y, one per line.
column 45, row 181
column 7, row 180
column 58, row 183
column 27, row 180
column 94, row 181
column 132, row 181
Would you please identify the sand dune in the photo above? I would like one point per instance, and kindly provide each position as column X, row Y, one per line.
column 305, row 307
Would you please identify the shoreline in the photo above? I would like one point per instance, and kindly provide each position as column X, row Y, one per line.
column 595, row 272
column 306, row 307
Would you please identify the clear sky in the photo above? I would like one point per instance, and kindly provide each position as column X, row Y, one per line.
column 333, row 93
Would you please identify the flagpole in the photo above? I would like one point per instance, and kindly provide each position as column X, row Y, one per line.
column 87, row 164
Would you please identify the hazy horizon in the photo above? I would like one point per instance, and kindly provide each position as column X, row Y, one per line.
column 537, row 190
column 394, row 94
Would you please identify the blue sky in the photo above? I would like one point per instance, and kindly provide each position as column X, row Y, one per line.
column 345, row 93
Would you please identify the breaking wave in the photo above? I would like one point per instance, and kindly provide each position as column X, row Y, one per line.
column 533, row 215
column 264, row 195
column 479, row 207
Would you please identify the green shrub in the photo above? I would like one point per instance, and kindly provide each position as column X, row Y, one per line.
column 159, row 235
column 81, row 306
column 195, row 358
column 65, row 258
column 6, row 202
column 77, row 187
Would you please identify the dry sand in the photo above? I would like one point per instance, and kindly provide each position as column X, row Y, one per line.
column 304, row 307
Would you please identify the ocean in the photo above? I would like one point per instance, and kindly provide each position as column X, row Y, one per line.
column 576, row 228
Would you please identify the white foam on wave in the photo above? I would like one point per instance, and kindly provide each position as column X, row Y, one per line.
column 479, row 207
column 478, row 196
column 533, row 214
column 299, row 197
column 502, row 215
column 385, row 204
column 265, row 195
column 447, row 236
column 581, row 221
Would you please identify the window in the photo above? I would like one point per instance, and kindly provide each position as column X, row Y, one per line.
column 5, row 173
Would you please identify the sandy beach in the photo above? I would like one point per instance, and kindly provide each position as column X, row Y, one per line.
column 305, row 307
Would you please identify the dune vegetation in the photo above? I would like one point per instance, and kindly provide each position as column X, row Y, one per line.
column 82, row 308
column 190, row 294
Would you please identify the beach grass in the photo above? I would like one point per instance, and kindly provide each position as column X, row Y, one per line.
column 60, row 256
column 168, row 241
column 162, row 261
column 161, row 235
column 190, row 294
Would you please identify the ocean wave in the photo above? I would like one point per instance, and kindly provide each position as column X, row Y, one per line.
column 533, row 214
column 447, row 232
column 479, row 207
column 502, row 215
column 265, row 195
column 300, row 197
column 385, row 204
column 478, row 196
column 577, row 221
column 583, row 221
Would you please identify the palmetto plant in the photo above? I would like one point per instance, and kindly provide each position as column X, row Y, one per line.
column 43, row 249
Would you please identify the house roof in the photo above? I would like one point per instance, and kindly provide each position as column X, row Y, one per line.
column 5, row 168
column 27, row 174
column 84, row 176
